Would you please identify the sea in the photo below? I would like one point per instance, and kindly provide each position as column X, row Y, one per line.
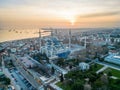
column 17, row 34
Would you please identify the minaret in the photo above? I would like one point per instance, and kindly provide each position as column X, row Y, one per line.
column 52, row 33
column 85, row 42
column 69, row 39
column 56, row 32
column 52, row 45
column 40, row 40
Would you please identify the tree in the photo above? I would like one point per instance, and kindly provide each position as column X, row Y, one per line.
column 77, row 86
column 112, row 40
column 68, row 82
column 60, row 61
column 109, row 73
column 101, row 59
column 70, row 67
column 98, row 84
column 71, row 64
column 7, row 81
column 104, row 79
column 52, row 70
column 95, row 66
column 117, row 82
column 92, row 78
column 61, row 78
column 91, row 68
column 96, row 55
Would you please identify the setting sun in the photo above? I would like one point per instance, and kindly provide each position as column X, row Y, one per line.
column 71, row 19
column 69, row 16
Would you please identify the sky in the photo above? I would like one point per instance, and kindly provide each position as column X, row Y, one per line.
column 60, row 13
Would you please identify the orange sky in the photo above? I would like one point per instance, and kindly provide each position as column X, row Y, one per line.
column 60, row 13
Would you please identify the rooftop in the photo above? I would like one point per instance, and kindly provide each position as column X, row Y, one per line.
column 27, row 62
column 113, row 59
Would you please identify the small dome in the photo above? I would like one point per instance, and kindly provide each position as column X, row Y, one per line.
column 84, row 66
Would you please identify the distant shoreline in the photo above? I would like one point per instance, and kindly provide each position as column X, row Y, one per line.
column 6, row 37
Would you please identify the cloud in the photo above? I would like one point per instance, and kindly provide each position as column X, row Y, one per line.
column 100, row 14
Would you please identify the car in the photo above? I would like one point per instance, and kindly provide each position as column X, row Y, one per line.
column 21, row 77
column 15, row 79
column 12, row 75
column 34, row 88
column 25, row 81
column 0, row 69
column 10, row 87
column 17, row 71
column 31, row 88
column 29, row 85
column 10, row 70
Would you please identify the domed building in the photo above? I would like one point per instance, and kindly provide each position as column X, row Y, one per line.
column 84, row 66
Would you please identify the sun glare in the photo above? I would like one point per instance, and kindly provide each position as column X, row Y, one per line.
column 72, row 22
column 71, row 19
column 70, row 16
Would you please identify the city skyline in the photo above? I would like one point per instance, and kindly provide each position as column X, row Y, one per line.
column 63, row 13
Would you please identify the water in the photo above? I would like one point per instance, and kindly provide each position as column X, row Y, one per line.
column 16, row 34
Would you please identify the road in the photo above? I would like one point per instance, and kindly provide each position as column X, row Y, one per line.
column 14, row 77
column 27, row 76
column 19, row 81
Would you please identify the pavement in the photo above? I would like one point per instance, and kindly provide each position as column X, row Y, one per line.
column 58, row 68
column 55, row 86
column 113, row 77
column 102, row 69
column 108, row 65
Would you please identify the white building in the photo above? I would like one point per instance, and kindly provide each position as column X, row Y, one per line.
column 84, row 66
column 113, row 52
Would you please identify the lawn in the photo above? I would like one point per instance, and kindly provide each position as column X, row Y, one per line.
column 64, row 87
column 96, row 67
column 79, row 78
column 114, row 72
column 79, row 75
